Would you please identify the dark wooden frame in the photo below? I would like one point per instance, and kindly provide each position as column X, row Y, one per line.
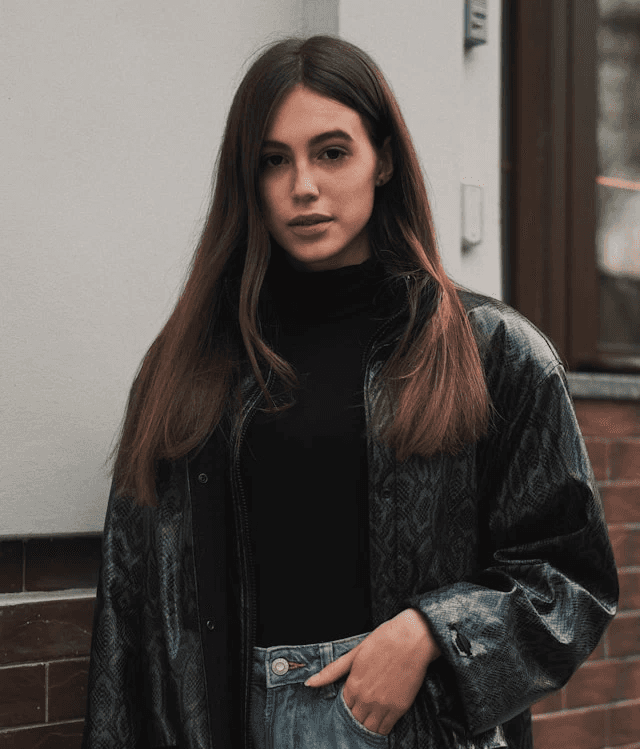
column 552, row 169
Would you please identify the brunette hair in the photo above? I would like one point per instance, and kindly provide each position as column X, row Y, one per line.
column 430, row 395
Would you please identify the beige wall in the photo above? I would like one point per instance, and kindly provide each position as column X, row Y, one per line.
column 451, row 102
column 109, row 128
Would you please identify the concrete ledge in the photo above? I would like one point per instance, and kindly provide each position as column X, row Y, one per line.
column 604, row 386
column 39, row 596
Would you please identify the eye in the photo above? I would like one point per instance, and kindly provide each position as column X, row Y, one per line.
column 336, row 154
column 266, row 161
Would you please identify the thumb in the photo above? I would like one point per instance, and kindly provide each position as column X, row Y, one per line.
column 333, row 670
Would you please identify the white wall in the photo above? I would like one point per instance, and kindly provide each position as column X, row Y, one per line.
column 451, row 102
column 109, row 128
column 480, row 154
column 112, row 113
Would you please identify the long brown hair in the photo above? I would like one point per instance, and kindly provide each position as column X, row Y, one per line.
column 433, row 395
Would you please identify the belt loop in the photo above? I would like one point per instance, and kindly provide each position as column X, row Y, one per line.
column 329, row 691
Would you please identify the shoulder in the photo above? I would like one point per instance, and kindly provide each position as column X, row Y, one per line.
column 513, row 350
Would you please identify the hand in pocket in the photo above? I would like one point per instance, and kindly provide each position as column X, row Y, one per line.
column 386, row 670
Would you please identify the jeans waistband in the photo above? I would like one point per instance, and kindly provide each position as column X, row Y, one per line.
column 288, row 664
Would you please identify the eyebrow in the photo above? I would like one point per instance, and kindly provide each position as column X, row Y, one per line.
column 312, row 141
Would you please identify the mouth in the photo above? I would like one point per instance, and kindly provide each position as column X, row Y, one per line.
column 310, row 220
column 311, row 231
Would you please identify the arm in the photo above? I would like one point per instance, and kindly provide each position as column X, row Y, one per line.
column 113, row 710
column 521, row 626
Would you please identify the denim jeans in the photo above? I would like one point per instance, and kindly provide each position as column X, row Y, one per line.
column 287, row 715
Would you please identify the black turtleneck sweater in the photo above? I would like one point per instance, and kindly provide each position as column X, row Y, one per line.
column 305, row 470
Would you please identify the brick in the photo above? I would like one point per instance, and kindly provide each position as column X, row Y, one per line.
column 11, row 566
column 626, row 545
column 68, row 689
column 608, row 418
column 629, row 681
column 594, row 683
column 629, row 590
column 22, row 695
column 50, row 629
column 584, row 729
column 625, row 460
column 598, row 652
column 602, row 682
column 599, row 457
column 60, row 736
column 621, row 503
column 62, row 563
column 623, row 636
column 550, row 704
column 625, row 724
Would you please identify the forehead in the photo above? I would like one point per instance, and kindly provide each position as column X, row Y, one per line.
column 304, row 113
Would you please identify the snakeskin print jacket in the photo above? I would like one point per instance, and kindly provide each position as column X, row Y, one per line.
column 502, row 547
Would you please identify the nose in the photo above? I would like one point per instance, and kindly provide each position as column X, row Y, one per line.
column 304, row 185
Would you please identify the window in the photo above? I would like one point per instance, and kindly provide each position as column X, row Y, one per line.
column 618, row 180
column 573, row 117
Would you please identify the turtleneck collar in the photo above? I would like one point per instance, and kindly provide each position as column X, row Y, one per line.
column 324, row 295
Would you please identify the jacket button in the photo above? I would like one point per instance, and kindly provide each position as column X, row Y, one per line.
column 211, row 624
column 463, row 643
column 203, row 478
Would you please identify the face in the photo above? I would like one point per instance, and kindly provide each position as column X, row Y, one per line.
column 318, row 165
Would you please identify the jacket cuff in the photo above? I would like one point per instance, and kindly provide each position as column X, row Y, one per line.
column 477, row 654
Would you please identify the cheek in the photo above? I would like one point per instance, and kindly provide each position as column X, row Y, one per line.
column 358, row 183
column 268, row 196
column 357, row 193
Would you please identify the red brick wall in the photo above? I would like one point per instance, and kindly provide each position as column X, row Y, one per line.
column 600, row 706
column 44, row 646
column 43, row 673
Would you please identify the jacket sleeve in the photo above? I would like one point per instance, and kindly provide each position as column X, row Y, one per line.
column 546, row 586
column 113, row 716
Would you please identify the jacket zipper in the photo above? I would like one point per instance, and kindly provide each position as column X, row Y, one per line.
column 246, row 566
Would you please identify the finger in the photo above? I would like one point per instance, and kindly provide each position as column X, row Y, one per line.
column 374, row 720
column 332, row 671
column 388, row 722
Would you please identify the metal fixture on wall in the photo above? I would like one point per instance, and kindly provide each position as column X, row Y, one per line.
column 471, row 216
column 475, row 22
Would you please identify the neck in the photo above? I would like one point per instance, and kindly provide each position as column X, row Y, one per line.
column 322, row 294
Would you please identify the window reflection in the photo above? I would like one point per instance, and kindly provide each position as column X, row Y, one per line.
column 618, row 188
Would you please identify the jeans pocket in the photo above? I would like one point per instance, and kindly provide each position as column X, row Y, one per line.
column 355, row 728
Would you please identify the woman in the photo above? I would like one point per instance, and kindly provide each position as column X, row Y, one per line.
column 351, row 503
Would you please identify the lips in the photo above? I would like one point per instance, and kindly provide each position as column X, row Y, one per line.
column 309, row 220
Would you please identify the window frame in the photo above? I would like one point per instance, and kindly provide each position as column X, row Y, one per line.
column 552, row 168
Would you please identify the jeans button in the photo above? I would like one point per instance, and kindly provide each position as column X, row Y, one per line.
column 211, row 625
column 203, row 478
column 280, row 666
